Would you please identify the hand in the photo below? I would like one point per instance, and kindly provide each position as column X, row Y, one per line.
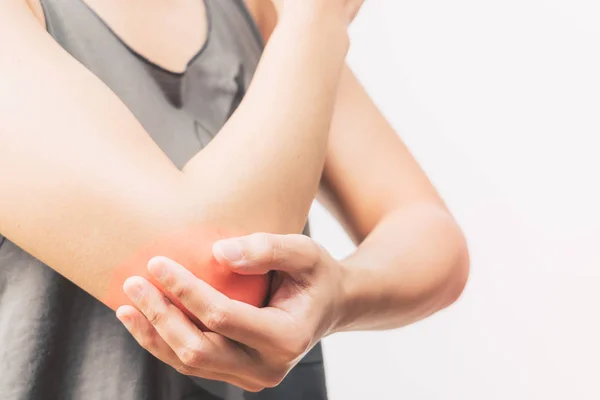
column 350, row 8
column 250, row 347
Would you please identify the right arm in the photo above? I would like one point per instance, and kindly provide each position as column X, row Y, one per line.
column 85, row 189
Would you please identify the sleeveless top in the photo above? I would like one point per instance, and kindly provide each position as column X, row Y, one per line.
column 57, row 341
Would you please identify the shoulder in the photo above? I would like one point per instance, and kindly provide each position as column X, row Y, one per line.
column 263, row 13
column 15, row 10
column 35, row 6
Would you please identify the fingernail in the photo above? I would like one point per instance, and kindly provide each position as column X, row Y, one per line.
column 231, row 250
column 158, row 269
column 124, row 320
column 133, row 289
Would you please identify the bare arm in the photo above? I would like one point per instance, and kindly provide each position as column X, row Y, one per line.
column 281, row 128
column 411, row 262
column 412, row 259
column 86, row 191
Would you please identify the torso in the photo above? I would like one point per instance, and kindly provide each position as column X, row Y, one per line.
column 168, row 33
column 62, row 343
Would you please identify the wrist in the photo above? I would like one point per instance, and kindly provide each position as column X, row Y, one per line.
column 333, row 10
column 316, row 17
column 353, row 300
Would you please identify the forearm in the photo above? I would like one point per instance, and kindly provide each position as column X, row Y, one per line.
column 273, row 147
column 86, row 190
column 412, row 265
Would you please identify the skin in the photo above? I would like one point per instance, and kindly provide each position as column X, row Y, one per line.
column 411, row 261
column 91, row 214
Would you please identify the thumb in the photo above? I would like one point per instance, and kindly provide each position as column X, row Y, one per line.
column 260, row 253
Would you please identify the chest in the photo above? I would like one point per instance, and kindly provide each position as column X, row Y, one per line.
column 167, row 33
column 182, row 74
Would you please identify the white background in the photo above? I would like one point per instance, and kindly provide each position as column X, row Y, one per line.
column 500, row 103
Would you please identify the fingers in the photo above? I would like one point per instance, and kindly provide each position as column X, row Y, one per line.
column 193, row 348
column 147, row 337
column 260, row 253
column 243, row 323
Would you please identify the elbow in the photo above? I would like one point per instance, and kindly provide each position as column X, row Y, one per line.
column 447, row 257
column 457, row 273
column 438, row 256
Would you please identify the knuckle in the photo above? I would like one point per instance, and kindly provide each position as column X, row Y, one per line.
column 156, row 315
column 290, row 353
column 314, row 251
column 254, row 388
column 180, row 290
column 192, row 355
column 304, row 345
column 216, row 319
column 184, row 370
column 296, row 348
column 148, row 342
column 273, row 379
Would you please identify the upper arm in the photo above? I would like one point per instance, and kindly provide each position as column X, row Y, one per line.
column 369, row 171
column 38, row 11
column 264, row 15
column 82, row 183
column 87, row 191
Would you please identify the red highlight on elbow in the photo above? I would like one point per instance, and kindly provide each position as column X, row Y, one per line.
column 192, row 248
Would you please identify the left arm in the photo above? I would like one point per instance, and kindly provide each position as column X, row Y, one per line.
column 412, row 259
column 411, row 262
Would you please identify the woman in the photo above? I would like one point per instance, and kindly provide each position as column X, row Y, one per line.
column 112, row 194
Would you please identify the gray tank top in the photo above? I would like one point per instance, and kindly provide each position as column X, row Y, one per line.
column 58, row 342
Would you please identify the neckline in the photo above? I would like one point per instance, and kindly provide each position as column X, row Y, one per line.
column 209, row 34
column 243, row 7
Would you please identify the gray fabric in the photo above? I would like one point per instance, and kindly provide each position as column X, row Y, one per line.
column 57, row 342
